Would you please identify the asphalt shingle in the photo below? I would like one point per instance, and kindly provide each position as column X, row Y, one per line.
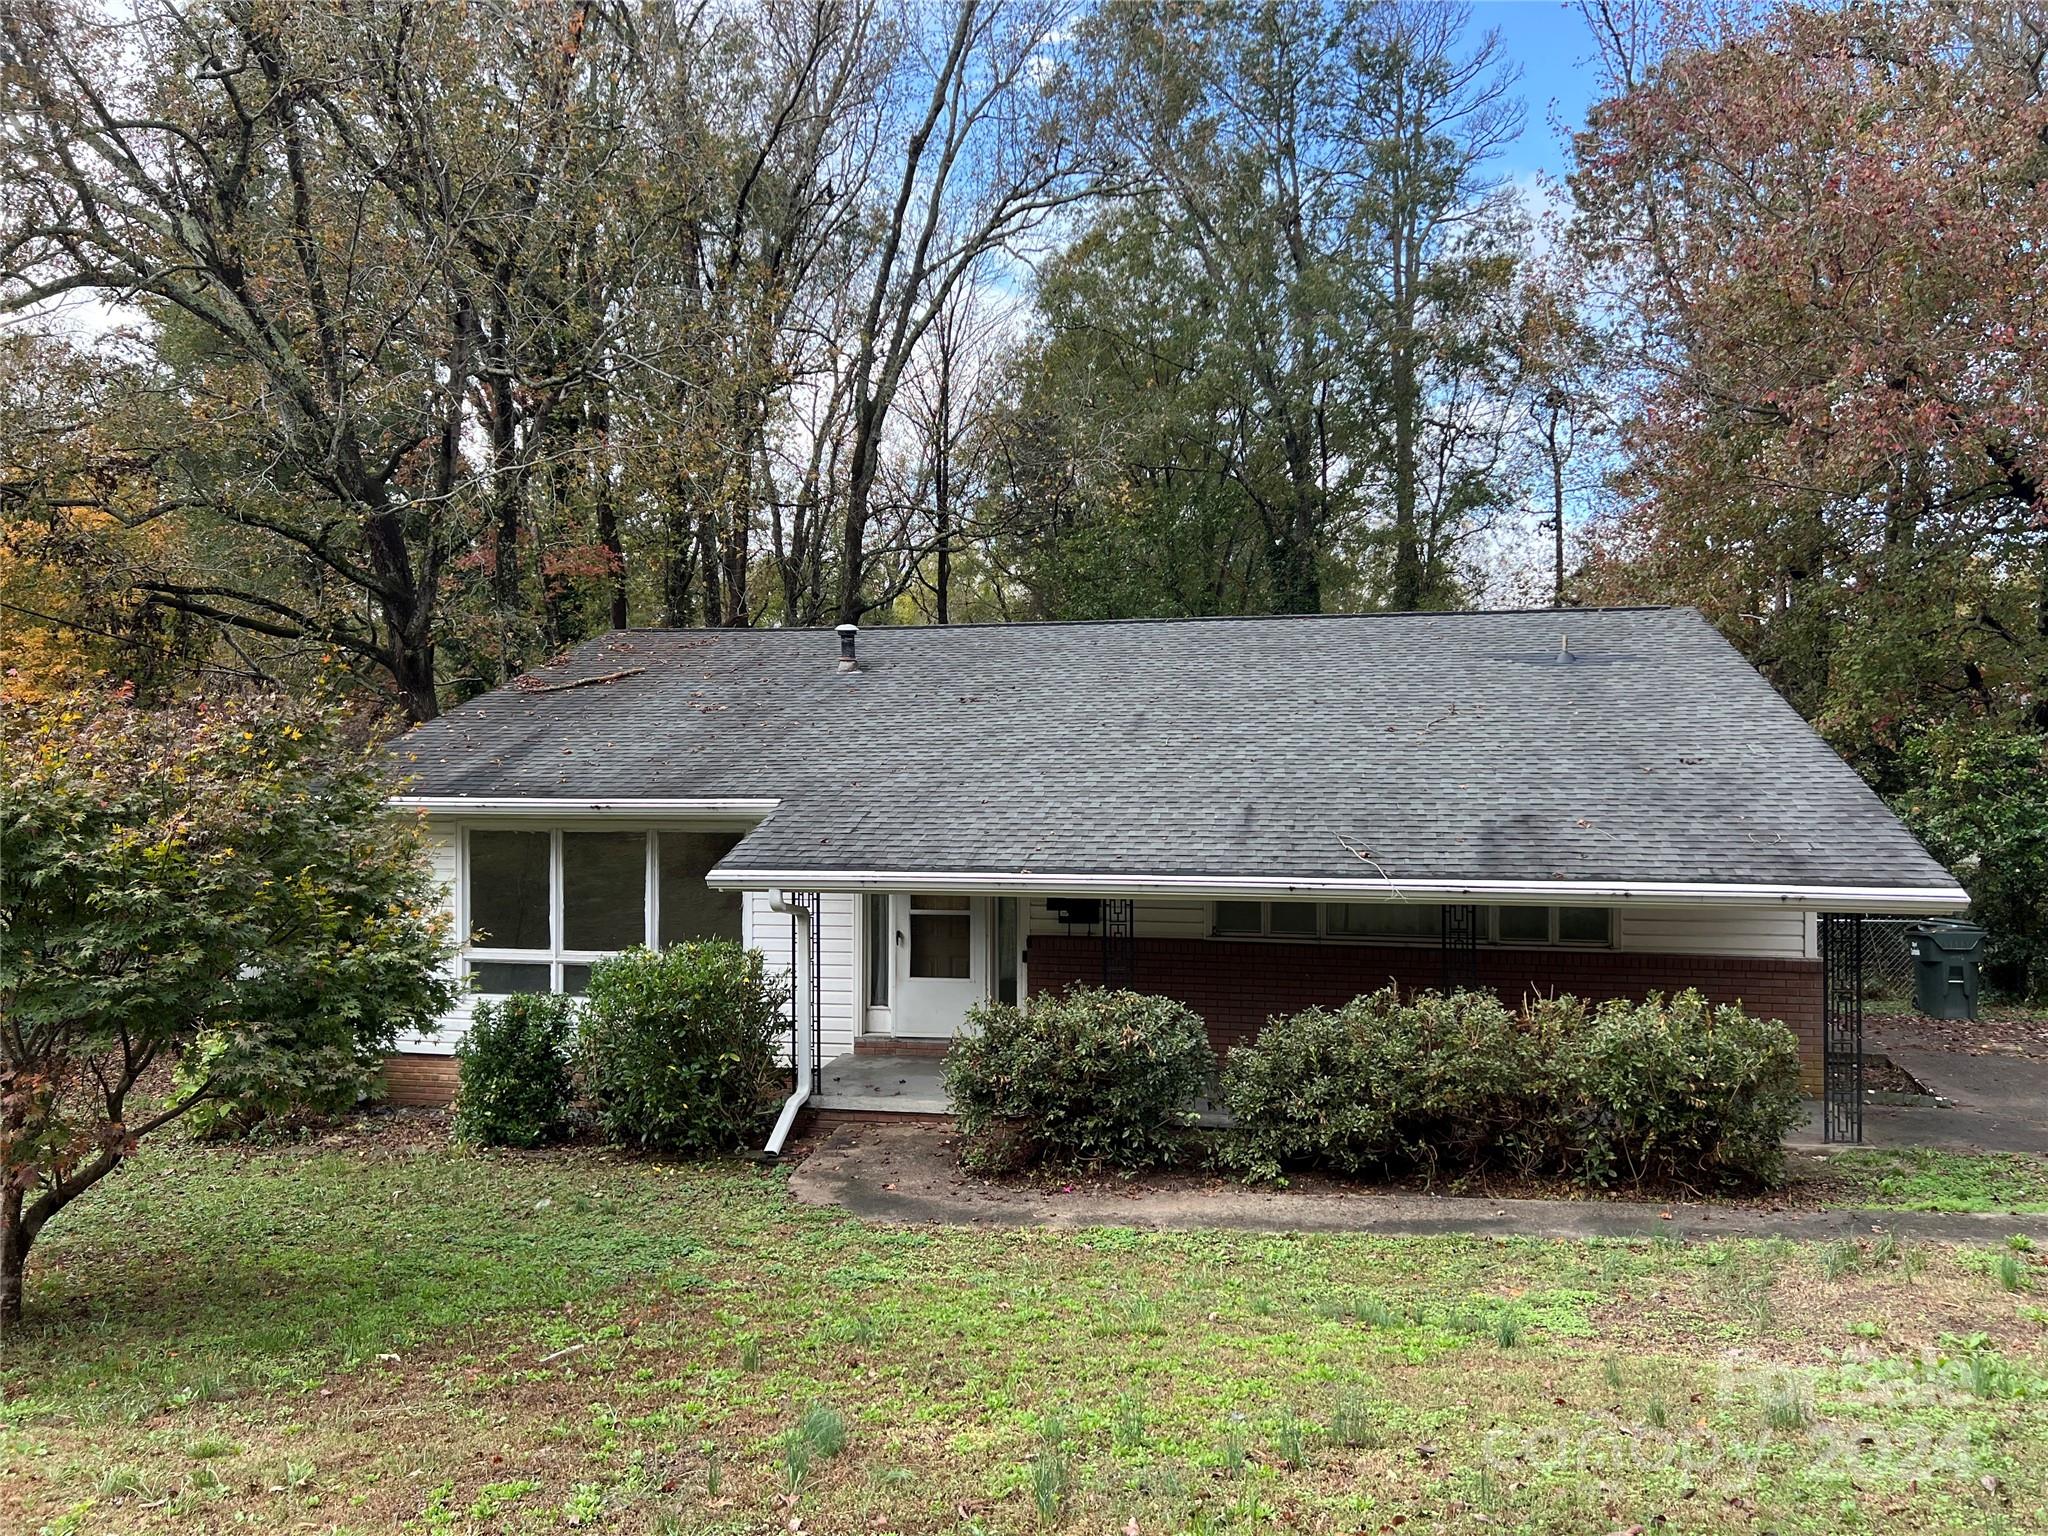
column 1408, row 746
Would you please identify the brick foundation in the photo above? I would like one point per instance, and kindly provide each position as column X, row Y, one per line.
column 419, row 1078
column 1236, row 986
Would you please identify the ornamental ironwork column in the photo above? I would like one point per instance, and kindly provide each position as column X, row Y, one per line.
column 1459, row 939
column 1119, row 943
column 1841, row 1026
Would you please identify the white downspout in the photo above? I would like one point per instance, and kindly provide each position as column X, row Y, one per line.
column 799, row 968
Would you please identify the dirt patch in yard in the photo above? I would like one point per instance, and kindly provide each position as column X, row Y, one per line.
column 1809, row 1181
column 2002, row 1030
column 1883, row 1075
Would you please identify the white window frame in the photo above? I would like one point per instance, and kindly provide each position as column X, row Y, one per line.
column 876, row 1018
column 1551, row 939
column 556, row 956
column 880, row 1018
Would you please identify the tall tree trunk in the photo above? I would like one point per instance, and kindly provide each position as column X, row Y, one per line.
column 942, row 489
column 1556, row 513
column 606, row 510
column 13, row 1258
column 412, row 666
column 406, row 601
column 860, row 480
column 709, row 566
column 1409, row 578
column 678, row 556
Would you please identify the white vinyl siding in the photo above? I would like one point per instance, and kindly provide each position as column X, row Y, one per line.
column 444, row 858
column 769, row 931
column 1771, row 931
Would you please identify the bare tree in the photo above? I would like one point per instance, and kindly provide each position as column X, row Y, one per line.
column 367, row 240
column 987, row 161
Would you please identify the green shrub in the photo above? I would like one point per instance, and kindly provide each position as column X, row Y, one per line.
column 1680, row 1091
column 1083, row 1078
column 1653, row 1091
column 1382, row 1085
column 515, row 1071
column 678, row 1046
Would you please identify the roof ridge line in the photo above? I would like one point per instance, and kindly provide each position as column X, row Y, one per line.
column 1199, row 618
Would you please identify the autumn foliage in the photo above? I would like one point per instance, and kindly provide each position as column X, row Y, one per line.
column 198, row 906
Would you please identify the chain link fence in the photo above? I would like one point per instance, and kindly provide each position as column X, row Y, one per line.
column 1888, row 958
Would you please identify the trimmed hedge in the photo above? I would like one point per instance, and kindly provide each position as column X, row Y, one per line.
column 515, row 1072
column 1084, row 1078
column 678, row 1047
column 1680, row 1091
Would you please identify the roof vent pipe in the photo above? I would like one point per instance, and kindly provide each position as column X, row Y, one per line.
column 848, row 633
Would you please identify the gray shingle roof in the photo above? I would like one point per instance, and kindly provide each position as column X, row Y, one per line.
column 1413, row 746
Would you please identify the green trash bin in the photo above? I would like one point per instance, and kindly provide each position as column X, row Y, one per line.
column 1945, row 962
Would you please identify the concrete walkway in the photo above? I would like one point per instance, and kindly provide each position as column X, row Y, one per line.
column 906, row 1174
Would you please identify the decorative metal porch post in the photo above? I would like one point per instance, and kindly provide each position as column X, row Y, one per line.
column 1460, row 945
column 1841, row 1026
column 1119, row 943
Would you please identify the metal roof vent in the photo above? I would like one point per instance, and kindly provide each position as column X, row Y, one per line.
column 848, row 633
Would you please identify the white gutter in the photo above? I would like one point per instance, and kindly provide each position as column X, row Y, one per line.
column 800, row 967
column 543, row 805
column 1911, row 900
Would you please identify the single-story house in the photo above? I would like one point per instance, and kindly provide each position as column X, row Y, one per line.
column 1251, row 815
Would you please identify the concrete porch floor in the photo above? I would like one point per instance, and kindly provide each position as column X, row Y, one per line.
column 881, row 1080
column 885, row 1082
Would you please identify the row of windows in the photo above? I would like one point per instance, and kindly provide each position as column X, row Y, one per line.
column 1409, row 923
column 543, row 905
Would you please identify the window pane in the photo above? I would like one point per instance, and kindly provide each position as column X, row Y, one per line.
column 879, row 933
column 926, row 901
column 1583, row 925
column 1295, row 919
column 499, row 977
column 604, row 889
column 1524, row 925
column 1239, row 917
column 941, row 944
column 1385, row 920
column 690, row 909
column 508, row 889
column 1006, row 948
column 575, row 979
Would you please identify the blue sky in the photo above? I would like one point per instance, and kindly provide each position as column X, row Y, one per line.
column 1550, row 42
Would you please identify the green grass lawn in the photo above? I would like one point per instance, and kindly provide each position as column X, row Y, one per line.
column 1929, row 1179
column 374, row 1336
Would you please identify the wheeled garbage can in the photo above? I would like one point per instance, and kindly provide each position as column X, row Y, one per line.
column 1945, row 963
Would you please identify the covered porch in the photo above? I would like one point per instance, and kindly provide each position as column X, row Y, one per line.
column 922, row 959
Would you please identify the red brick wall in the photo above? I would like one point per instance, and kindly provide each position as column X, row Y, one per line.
column 418, row 1078
column 1236, row 986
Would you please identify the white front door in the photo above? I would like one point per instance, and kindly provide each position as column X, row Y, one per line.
column 942, row 959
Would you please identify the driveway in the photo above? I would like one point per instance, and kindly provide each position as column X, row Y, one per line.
column 1994, row 1076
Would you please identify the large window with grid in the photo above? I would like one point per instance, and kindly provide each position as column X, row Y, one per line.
column 541, row 906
